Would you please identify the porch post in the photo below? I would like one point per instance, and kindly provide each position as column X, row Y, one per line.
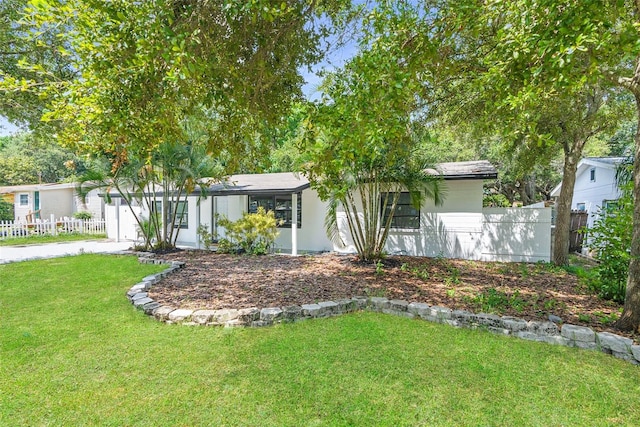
column 198, row 244
column 294, row 224
column 117, row 200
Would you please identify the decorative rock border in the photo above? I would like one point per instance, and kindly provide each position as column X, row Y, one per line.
column 567, row 335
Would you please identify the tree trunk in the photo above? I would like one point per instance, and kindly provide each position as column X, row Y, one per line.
column 563, row 206
column 630, row 319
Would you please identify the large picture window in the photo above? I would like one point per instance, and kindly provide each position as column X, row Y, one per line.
column 280, row 205
column 405, row 216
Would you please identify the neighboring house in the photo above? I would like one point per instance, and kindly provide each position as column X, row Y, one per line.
column 40, row 201
column 595, row 185
column 460, row 228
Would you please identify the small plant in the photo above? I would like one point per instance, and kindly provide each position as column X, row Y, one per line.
column 254, row 233
column 582, row 317
column 84, row 215
column 379, row 268
column 205, row 236
column 524, row 271
column 550, row 304
column 404, row 267
column 451, row 293
column 606, row 319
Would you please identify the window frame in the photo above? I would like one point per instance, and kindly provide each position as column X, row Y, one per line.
column 592, row 174
column 412, row 212
column 270, row 202
column 581, row 207
column 26, row 202
column 157, row 207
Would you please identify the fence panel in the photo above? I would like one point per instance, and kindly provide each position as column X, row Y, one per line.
column 16, row 229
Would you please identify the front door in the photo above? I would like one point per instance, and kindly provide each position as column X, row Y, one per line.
column 36, row 204
column 220, row 207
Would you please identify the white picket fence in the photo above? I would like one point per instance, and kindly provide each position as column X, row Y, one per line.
column 15, row 229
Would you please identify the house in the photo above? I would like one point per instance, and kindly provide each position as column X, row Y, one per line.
column 41, row 201
column 595, row 186
column 460, row 228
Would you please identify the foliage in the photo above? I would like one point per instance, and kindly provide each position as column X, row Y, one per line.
column 66, row 365
column 254, row 233
column 205, row 236
column 27, row 158
column 6, row 210
column 610, row 239
column 82, row 215
column 358, row 145
column 142, row 67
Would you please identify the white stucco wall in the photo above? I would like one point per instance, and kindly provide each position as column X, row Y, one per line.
column 21, row 211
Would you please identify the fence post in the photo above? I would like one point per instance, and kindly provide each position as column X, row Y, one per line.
column 54, row 229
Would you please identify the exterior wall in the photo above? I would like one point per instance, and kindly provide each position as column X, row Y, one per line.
column 93, row 204
column 593, row 193
column 461, row 228
column 59, row 202
column 127, row 227
column 21, row 211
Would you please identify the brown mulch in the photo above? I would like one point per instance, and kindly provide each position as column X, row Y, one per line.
column 528, row 291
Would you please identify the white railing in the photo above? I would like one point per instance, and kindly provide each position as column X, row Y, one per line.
column 15, row 229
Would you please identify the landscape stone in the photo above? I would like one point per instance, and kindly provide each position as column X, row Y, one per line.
column 555, row 319
column 347, row 305
column 202, row 317
column 514, row 324
column 614, row 343
column 361, row 302
column 224, row 315
column 440, row 313
column 635, row 350
column 152, row 279
column 499, row 331
column 578, row 333
column 398, row 305
column 311, row 310
column 556, row 339
column 490, row 320
column 162, row 312
column 398, row 313
column 418, row 308
column 270, row 314
column 248, row 315
column 140, row 287
column 464, row 317
column 292, row 313
column 328, row 307
column 543, row 328
column 379, row 303
column 150, row 306
column 141, row 302
column 139, row 295
column 180, row 315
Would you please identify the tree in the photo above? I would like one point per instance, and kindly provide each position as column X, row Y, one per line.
column 145, row 66
column 358, row 145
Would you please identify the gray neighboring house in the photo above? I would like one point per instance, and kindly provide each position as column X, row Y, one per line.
column 40, row 201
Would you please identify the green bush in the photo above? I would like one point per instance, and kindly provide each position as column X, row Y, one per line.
column 254, row 233
column 611, row 241
column 6, row 211
column 82, row 215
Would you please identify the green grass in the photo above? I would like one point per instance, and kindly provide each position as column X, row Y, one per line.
column 47, row 238
column 73, row 351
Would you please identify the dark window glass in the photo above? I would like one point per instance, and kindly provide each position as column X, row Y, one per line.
column 280, row 205
column 405, row 216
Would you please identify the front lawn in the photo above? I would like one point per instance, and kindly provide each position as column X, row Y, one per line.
column 74, row 352
column 48, row 238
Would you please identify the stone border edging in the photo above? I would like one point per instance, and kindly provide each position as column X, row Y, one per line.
column 568, row 335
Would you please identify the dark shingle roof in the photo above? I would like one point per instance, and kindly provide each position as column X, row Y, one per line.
column 286, row 182
column 477, row 169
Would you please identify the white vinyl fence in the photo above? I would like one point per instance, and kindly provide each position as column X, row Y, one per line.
column 52, row 226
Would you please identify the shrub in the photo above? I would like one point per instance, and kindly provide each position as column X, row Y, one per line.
column 82, row 215
column 254, row 233
column 6, row 211
column 611, row 241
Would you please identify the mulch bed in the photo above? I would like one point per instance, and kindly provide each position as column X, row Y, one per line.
column 527, row 291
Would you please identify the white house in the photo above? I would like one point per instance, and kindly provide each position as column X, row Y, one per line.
column 460, row 228
column 40, row 201
column 595, row 185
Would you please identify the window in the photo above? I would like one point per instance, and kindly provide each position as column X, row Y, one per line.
column 405, row 216
column 24, row 200
column 610, row 206
column 280, row 205
column 581, row 207
column 182, row 214
column 592, row 174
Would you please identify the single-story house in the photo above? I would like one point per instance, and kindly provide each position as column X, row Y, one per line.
column 595, row 186
column 460, row 228
column 41, row 201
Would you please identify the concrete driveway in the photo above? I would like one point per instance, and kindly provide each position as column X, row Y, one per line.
column 53, row 250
